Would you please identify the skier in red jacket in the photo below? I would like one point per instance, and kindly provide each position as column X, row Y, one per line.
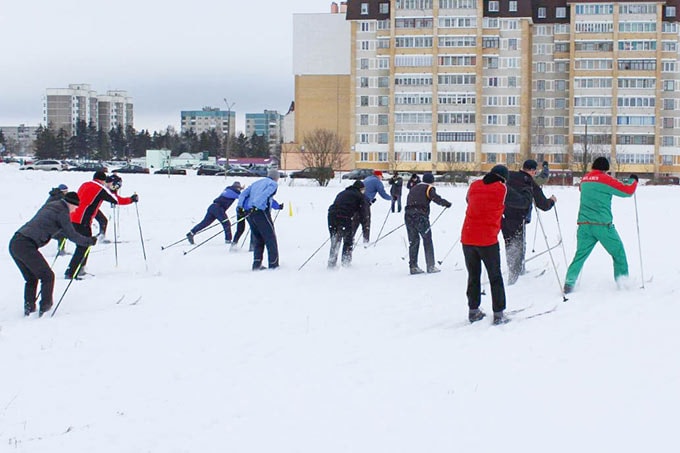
column 91, row 195
column 486, row 202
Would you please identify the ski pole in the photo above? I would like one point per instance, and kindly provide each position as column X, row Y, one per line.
column 435, row 221
column 637, row 224
column 141, row 237
column 115, row 234
column 163, row 247
column 533, row 246
column 559, row 230
column 315, row 252
column 449, row 252
column 211, row 237
column 383, row 224
column 62, row 244
column 386, row 234
column 73, row 277
column 552, row 260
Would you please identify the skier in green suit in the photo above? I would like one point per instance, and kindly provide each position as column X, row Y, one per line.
column 595, row 220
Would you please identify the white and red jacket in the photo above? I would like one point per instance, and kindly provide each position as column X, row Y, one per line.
column 92, row 194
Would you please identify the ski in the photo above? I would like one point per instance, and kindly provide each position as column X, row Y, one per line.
column 540, row 313
column 120, row 299
column 136, row 301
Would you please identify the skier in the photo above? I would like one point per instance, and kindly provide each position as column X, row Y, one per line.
column 217, row 211
column 543, row 177
column 522, row 192
column 595, row 221
column 374, row 186
column 56, row 194
column 347, row 204
column 479, row 237
column 92, row 194
column 412, row 181
column 417, row 220
column 257, row 200
column 51, row 220
column 396, row 186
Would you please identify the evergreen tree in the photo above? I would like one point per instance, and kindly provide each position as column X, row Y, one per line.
column 239, row 147
column 143, row 142
column 45, row 143
column 61, row 149
column 117, row 137
column 78, row 143
column 258, row 146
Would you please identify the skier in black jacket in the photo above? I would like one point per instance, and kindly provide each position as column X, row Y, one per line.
column 50, row 220
column 417, row 220
column 522, row 191
column 347, row 204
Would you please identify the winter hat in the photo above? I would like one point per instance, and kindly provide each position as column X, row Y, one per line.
column 237, row 185
column 273, row 174
column 428, row 178
column 500, row 170
column 115, row 180
column 530, row 164
column 72, row 198
column 99, row 176
column 63, row 187
column 601, row 163
column 377, row 173
column 358, row 184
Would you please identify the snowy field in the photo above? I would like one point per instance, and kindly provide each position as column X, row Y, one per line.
column 217, row 358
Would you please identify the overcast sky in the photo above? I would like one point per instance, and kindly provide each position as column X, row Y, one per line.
column 169, row 55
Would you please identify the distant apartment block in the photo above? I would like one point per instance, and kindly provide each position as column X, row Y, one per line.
column 207, row 119
column 19, row 139
column 267, row 125
column 64, row 107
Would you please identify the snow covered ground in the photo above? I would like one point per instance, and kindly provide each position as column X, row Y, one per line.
column 217, row 358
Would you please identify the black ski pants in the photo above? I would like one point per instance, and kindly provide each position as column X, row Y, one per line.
column 340, row 229
column 215, row 212
column 240, row 225
column 34, row 268
column 367, row 224
column 78, row 258
column 418, row 225
column 263, row 235
column 515, row 246
column 491, row 257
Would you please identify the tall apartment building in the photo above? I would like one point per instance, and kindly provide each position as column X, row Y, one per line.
column 267, row 125
column 64, row 107
column 466, row 84
column 19, row 139
column 209, row 118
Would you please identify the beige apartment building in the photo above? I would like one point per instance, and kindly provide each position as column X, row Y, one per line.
column 465, row 84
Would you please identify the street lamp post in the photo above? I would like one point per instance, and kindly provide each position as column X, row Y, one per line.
column 226, row 147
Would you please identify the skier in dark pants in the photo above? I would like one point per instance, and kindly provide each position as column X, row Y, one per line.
column 479, row 237
column 522, row 191
column 240, row 228
column 51, row 220
column 373, row 187
column 396, row 186
column 417, row 220
column 257, row 200
column 217, row 211
column 347, row 204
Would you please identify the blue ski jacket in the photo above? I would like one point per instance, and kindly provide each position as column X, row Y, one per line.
column 374, row 186
column 259, row 195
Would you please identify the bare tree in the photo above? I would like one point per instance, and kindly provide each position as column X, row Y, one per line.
column 323, row 149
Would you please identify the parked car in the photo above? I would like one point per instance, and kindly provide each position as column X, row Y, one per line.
column 314, row 173
column 46, row 164
column 237, row 171
column 358, row 173
column 664, row 181
column 132, row 168
column 170, row 171
column 452, row 178
column 208, row 169
column 90, row 166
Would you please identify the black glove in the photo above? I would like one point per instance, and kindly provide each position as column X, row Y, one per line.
column 93, row 240
column 447, row 204
column 134, row 198
column 240, row 212
column 373, row 200
column 635, row 177
column 280, row 206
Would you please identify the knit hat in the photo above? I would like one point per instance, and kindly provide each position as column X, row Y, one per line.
column 428, row 178
column 273, row 174
column 359, row 184
column 377, row 173
column 99, row 175
column 601, row 163
column 500, row 170
column 62, row 187
column 72, row 198
column 530, row 164
column 237, row 185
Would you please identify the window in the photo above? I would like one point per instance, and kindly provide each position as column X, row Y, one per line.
column 363, row 63
column 383, row 101
column 670, row 11
column 512, row 7
column 384, row 8
column 363, row 82
column 541, row 12
column 561, row 12
column 364, row 101
column 669, row 85
column 364, row 9
column 363, row 120
column 493, row 6
column 382, row 120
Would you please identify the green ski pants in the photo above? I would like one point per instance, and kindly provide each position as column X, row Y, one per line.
column 586, row 238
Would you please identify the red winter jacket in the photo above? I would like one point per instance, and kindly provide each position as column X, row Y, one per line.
column 92, row 194
column 486, row 202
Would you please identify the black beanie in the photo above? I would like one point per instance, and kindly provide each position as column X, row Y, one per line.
column 72, row 198
column 601, row 163
column 500, row 170
column 99, row 175
column 359, row 184
column 530, row 164
column 428, row 178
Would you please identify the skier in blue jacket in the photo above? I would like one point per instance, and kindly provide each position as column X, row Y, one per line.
column 217, row 211
column 257, row 201
column 374, row 187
